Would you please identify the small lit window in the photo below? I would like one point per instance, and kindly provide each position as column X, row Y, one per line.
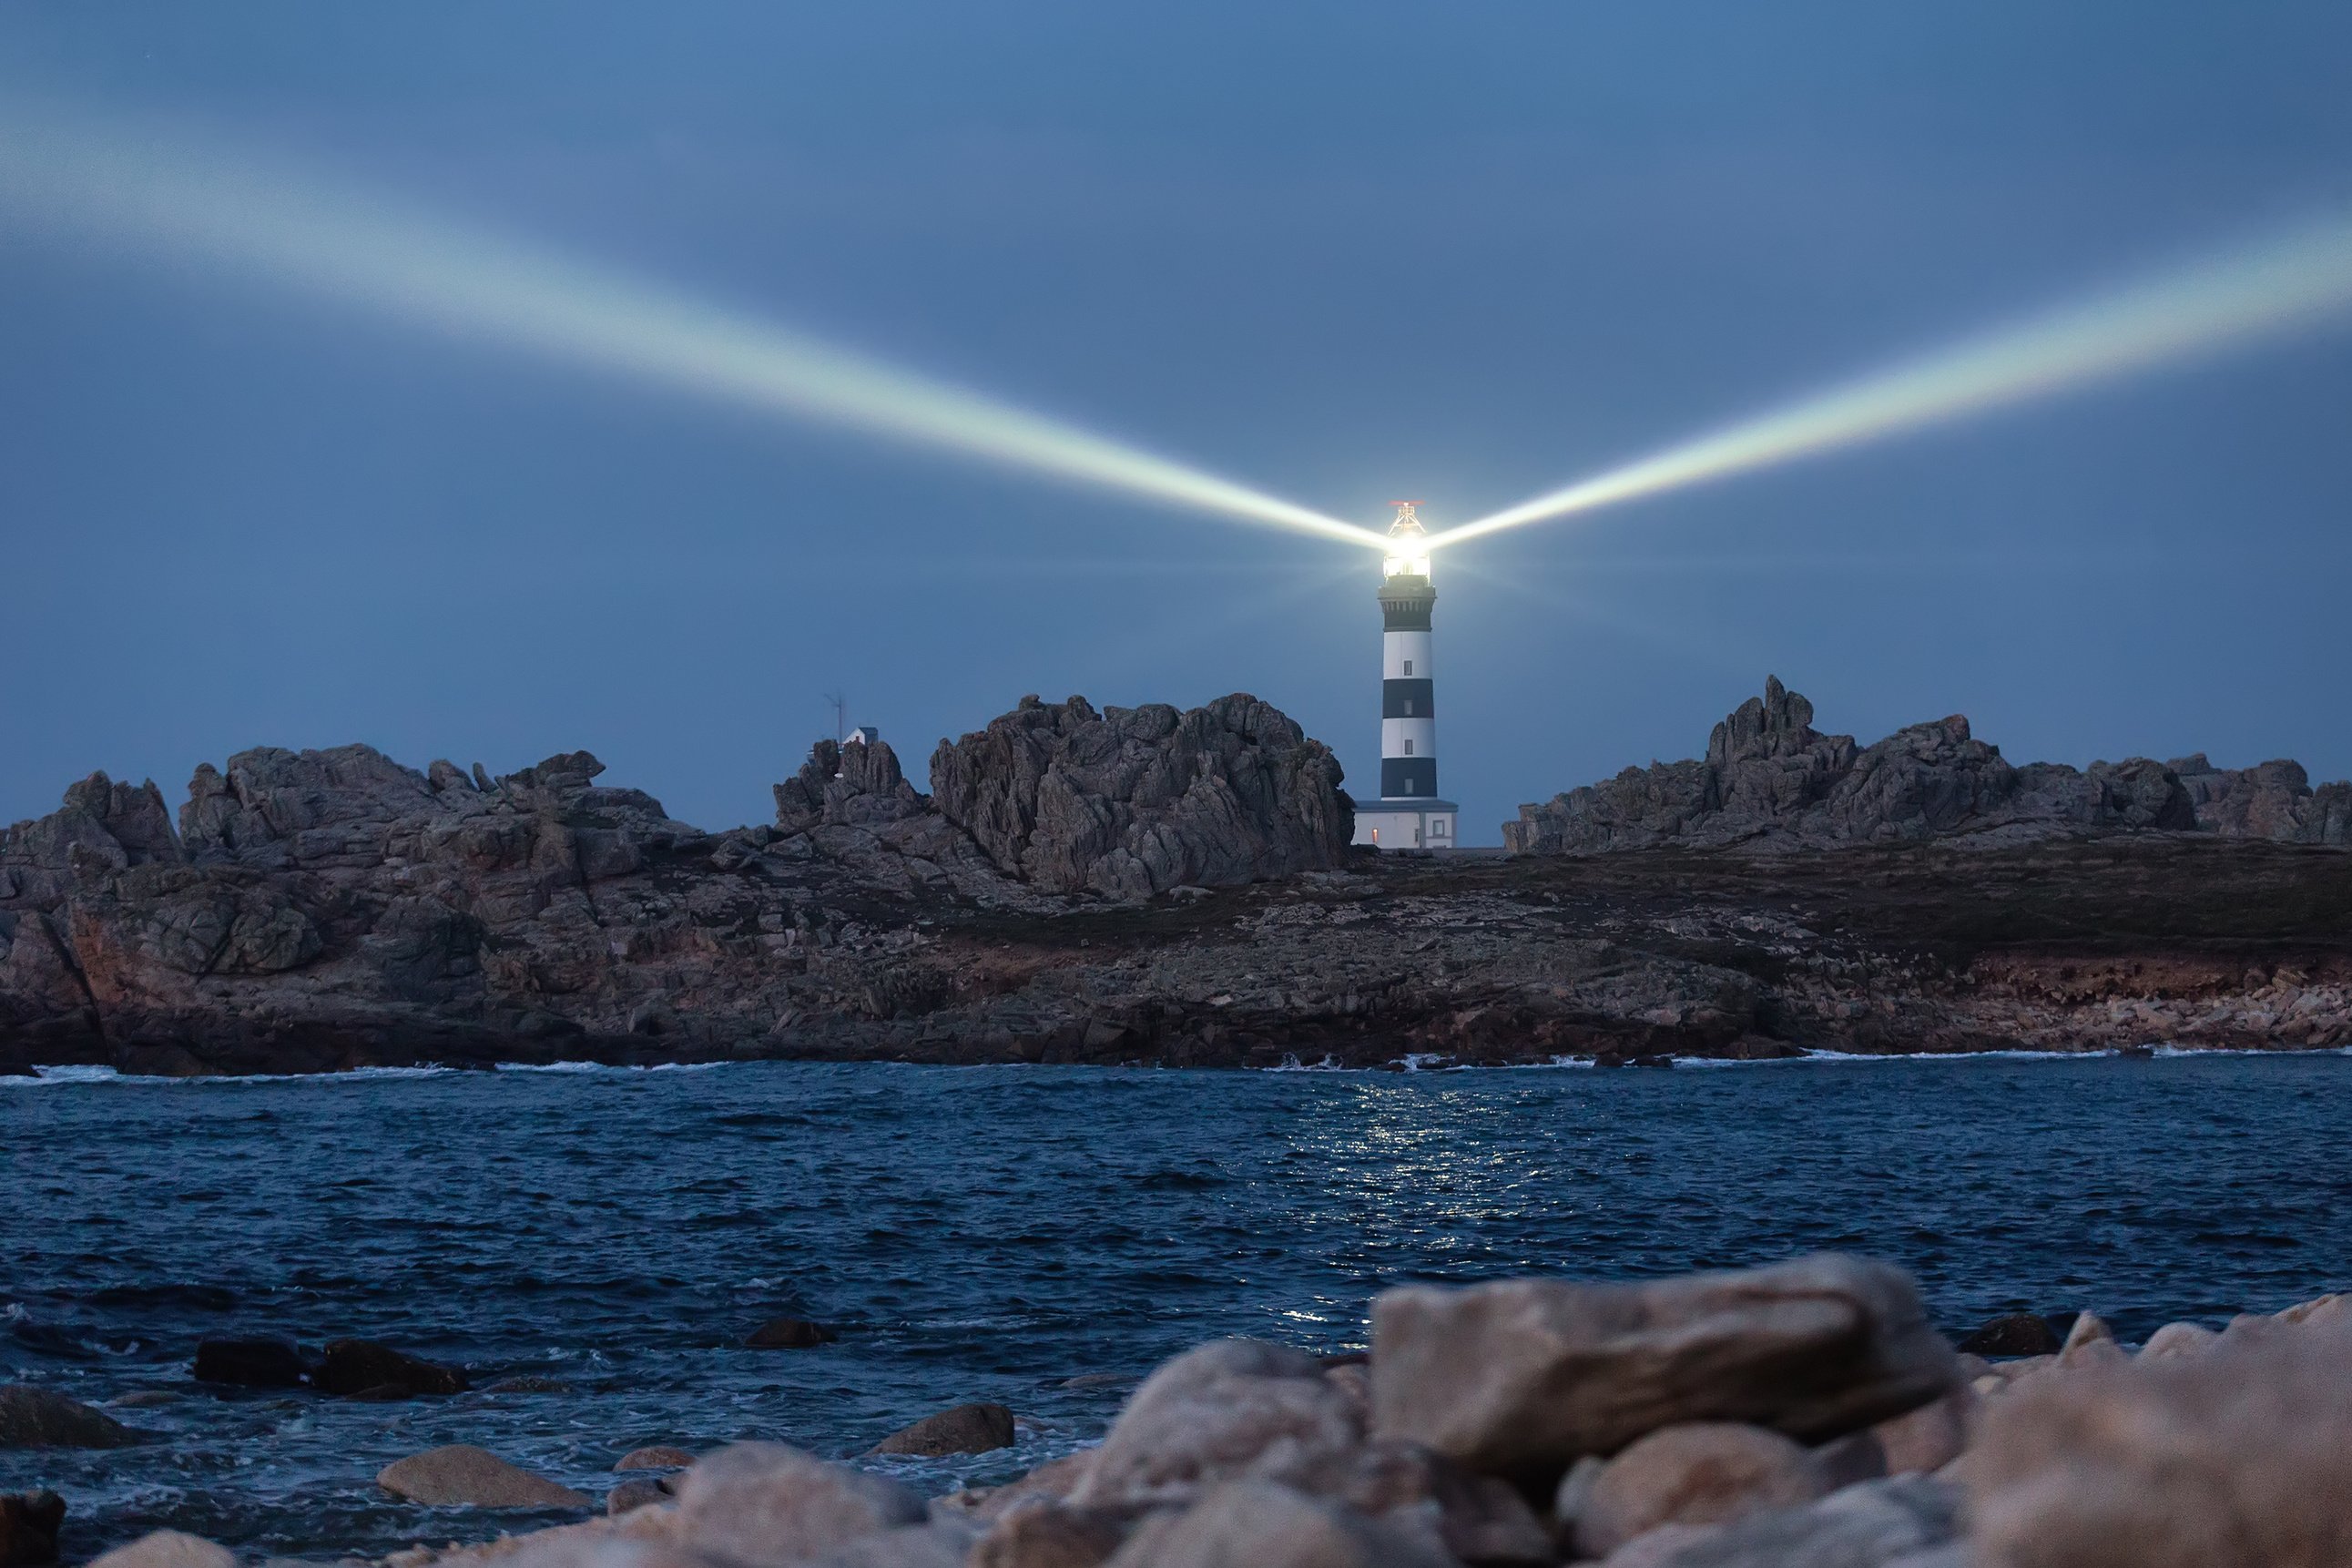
column 1408, row 748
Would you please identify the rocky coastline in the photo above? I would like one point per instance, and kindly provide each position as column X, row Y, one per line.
column 1805, row 1415
column 1176, row 888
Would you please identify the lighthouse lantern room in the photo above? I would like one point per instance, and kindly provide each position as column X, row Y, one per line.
column 1409, row 814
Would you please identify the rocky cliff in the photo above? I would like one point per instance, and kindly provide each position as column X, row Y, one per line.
column 1134, row 801
column 321, row 909
column 1770, row 780
column 1149, row 885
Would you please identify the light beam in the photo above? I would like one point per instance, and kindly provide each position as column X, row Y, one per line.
column 2257, row 291
column 409, row 263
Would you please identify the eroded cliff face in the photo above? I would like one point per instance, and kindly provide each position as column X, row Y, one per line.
column 1770, row 780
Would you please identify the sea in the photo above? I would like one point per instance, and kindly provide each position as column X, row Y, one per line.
column 1037, row 1236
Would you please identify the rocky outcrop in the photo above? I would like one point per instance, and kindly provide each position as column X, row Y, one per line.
column 1521, row 1378
column 36, row 1417
column 1770, row 780
column 329, row 909
column 315, row 909
column 1134, row 801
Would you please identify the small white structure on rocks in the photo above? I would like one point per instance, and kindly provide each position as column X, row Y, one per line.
column 1409, row 814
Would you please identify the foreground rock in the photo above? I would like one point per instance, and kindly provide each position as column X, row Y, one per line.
column 966, row 1429
column 1770, row 779
column 1521, row 1378
column 789, row 1334
column 654, row 1456
column 764, row 1505
column 1912, row 1522
column 251, row 1363
column 2239, row 1455
column 2233, row 1450
column 1696, row 1474
column 167, row 1549
column 363, row 1369
column 462, row 1476
column 1261, row 1523
column 28, row 1528
column 33, row 1418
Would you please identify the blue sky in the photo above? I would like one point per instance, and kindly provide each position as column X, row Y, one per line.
column 1344, row 252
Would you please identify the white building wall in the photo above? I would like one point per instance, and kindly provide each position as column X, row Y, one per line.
column 1406, row 830
column 1398, row 648
column 1421, row 733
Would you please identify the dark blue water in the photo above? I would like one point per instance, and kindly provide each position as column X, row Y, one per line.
column 994, row 1233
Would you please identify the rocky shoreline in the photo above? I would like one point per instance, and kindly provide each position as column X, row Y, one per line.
column 1149, row 886
column 1800, row 1416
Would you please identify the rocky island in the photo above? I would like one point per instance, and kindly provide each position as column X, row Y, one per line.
column 1155, row 886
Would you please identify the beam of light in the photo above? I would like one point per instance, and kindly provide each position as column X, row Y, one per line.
column 412, row 264
column 2259, row 290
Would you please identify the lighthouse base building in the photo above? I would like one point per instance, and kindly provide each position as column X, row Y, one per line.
column 1409, row 814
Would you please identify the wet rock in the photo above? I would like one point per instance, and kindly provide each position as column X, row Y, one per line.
column 1047, row 1535
column 1256, row 1524
column 167, row 1549
column 1520, row 1378
column 631, row 1495
column 1926, row 1439
column 363, row 1369
column 965, row 1430
column 2238, row 1458
column 1053, row 1481
column 28, row 1528
column 1702, row 1473
column 932, row 1545
column 2012, row 1334
column 35, row 1417
column 789, row 1334
column 655, row 1457
column 1229, row 1410
column 764, row 1505
column 146, row 1398
column 462, row 1476
column 1878, row 1524
column 250, row 1363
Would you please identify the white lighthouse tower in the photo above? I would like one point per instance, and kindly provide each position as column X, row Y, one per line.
column 1409, row 814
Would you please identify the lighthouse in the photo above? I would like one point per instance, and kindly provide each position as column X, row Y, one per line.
column 1409, row 814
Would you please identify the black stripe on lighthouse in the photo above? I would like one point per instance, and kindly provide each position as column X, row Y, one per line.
column 1406, row 699
column 1408, row 778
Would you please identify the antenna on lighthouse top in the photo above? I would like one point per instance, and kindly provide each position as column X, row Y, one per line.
column 1407, row 520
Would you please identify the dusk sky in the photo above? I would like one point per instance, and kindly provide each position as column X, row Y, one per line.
column 1342, row 253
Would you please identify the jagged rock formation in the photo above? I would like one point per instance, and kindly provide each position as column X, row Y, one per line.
column 1769, row 779
column 323, row 909
column 320, row 909
column 1134, row 801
